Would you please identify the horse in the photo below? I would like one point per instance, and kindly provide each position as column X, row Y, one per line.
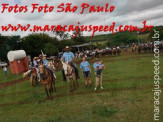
column 70, row 74
column 57, row 63
column 33, row 76
column 47, row 79
column 114, row 51
column 134, row 47
column 110, row 52
column 139, row 48
column 89, row 54
column 145, row 48
column 96, row 54
column 118, row 51
column 104, row 52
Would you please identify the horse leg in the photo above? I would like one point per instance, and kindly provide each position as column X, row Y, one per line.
column 46, row 91
column 31, row 80
column 36, row 80
column 50, row 90
column 70, row 85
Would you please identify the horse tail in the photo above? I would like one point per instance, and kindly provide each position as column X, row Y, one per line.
column 26, row 73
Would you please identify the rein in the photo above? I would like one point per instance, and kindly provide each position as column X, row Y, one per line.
column 72, row 72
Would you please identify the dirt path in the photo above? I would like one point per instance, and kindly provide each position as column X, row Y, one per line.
column 80, row 93
column 108, row 81
column 3, row 85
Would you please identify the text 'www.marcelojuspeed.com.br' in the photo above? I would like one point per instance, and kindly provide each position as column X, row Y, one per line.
column 70, row 28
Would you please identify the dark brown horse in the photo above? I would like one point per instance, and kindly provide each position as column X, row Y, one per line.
column 57, row 63
column 114, row 51
column 118, row 51
column 47, row 79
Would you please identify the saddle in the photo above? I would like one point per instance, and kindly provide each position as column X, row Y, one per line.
column 34, row 71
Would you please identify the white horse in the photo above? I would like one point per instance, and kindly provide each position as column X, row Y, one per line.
column 69, row 72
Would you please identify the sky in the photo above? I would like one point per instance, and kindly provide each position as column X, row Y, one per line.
column 126, row 12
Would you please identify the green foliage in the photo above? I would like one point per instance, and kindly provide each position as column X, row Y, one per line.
column 124, row 38
column 50, row 49
column 8, row 43
column 160, row 29
column 34, row 43
column 79, row 39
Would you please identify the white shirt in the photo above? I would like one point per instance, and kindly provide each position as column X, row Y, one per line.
column 34, row 63
column 4, row 69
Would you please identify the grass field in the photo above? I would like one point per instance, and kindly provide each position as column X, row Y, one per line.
column 10, row 77
column 127, row 96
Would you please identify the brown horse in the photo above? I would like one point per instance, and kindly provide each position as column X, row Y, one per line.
column 114, row 51
column 57, row 63
column 134, row 47
column 70, row 74
column 118, row 51
column 47, row 79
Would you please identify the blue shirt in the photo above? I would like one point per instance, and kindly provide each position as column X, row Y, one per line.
column 96, row 65
column 45, row 62
column 85, row 66
column 68, row 56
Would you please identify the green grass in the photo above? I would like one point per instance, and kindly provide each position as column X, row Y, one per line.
column 127, row 96
column 11, row 77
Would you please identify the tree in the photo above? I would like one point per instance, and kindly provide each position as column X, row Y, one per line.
column 8, row 43
column 61, row 34
column 34, row 43
column 50, row 49
column 79, row 38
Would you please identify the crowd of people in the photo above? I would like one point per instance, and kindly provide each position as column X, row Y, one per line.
column 69, row 58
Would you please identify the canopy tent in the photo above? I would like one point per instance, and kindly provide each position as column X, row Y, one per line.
column 81, row 45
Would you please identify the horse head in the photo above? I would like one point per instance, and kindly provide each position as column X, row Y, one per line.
column 67, row 68
column 41, row 68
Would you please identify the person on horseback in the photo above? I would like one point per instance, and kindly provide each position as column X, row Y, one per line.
column 45, row 62
column 35, row 65
column 41, row 59
column 69, row 57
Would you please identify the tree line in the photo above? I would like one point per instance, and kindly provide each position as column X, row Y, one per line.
column 51, row 45
column 34, row 43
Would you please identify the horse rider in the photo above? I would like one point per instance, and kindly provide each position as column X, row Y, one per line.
column 41, row 59
column 45, row 62
column 35, row 64
column 69, row 57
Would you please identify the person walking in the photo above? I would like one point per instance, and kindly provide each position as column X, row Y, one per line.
column 5, row 70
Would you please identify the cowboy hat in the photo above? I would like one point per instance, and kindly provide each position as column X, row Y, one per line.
column 35, row 58
column 67, row 47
